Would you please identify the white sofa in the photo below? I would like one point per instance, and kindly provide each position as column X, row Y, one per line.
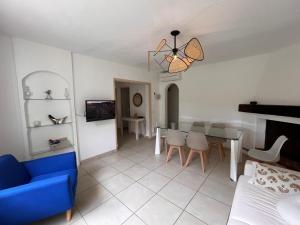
column 253, row 205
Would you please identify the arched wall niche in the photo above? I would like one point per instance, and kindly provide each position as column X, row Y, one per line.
column 35, row 85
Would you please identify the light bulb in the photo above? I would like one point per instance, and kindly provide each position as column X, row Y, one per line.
column 175, row 56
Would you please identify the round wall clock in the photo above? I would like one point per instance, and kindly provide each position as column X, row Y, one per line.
column 137, row 99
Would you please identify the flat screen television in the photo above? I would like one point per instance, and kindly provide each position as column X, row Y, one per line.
column 99, row 110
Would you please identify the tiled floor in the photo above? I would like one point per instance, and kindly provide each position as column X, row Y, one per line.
column 133, row 187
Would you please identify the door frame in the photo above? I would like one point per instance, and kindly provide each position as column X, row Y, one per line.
column 149, row 111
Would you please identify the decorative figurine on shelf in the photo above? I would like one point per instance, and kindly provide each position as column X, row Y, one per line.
column 48, row 95
column 27, row 92
column 67, row 94
column 57, row 121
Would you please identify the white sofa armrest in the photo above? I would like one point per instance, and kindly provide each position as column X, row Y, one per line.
column 249, row 168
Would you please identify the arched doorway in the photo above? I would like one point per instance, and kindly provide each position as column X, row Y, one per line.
column 172, row 106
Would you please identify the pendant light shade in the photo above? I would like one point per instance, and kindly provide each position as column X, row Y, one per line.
column 177, row 58
column 177, row 65
column 194, row 50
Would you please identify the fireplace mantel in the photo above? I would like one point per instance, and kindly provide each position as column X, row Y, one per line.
column 276, row 110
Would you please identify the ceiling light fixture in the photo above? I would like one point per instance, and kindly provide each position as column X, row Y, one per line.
column 176, row 59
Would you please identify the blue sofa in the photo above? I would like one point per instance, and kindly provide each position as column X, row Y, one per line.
column 36, row 189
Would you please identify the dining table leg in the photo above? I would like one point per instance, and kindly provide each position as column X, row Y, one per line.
column 157, row 141
column 235, row 157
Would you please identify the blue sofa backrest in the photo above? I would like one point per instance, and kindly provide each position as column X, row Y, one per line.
column 12, row 173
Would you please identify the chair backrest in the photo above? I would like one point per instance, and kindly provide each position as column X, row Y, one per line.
column 12, row 173
column 175, row 137
column 277, row 146
column 218, row 125
column 197, row 141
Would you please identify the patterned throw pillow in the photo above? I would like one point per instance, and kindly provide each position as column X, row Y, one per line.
column 276, row 179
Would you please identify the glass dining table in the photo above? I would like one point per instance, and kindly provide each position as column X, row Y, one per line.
column 234, row 135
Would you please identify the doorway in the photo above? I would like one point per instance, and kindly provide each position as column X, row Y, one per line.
column 129, row 110
column 172, row 106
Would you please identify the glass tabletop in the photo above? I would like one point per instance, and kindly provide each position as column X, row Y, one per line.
column 225, row 133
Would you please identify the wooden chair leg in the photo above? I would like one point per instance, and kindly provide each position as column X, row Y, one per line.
column 170, row 153
column 220, row 151
column 69, row 215
column 181, row 155
column 223, row 150
column 202, row 161
column 205, row 157
column 190, row 157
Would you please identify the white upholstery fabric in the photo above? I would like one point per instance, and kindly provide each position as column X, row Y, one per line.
column 253, row 205
column 289, row 208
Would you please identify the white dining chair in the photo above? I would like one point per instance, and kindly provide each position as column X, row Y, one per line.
column 218, row 142
column 272, row 155
column 197, row 143
column 175, row 140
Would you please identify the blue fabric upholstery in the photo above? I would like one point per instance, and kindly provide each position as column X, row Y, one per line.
column 12, row 173
column 44, row 187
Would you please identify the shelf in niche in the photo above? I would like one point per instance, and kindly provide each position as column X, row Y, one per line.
column 43, row 99
column 49, row 125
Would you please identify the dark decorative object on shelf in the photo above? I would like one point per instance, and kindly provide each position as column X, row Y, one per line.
column 48, row 95
column 253, row 103
column 54, row 142
column 57, row 121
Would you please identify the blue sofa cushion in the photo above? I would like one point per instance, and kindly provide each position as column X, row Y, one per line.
column 12, row 173
column 72, row 173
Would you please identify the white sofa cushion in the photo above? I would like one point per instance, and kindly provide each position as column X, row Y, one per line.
column 276, row 179
column 253, row 205
column 289, row 208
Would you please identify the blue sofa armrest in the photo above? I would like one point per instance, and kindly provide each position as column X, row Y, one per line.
column 36, row 200
column 51, row 164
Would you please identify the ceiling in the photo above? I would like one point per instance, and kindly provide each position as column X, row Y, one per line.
column 124, row 30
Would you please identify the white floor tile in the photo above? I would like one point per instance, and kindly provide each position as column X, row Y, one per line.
column 208, row 210
column 188, row 219
column 134, row 220
column 85, row 182
column 136, row 172
column 117, row 183
column 104, row 173
column 135, row 196
column 159, row 211
column 60, row 219
column 91, row 198
column 79, row 222
column 152, row 163
column 177, row 193
column 123, row 164
column 154, row 181
column 219, row 191
column 111, row 212
column 170, row 169
column 139, row 157
column 190, row 179
column 91, row 165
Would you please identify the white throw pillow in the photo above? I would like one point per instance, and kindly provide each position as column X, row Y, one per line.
column 276, row 179
column 289, row 208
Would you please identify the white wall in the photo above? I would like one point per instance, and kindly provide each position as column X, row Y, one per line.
column 94, row 79
column 212, row 92
column 280, row 83
column 11, row 135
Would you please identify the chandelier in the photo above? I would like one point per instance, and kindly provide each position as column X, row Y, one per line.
column 176, row 59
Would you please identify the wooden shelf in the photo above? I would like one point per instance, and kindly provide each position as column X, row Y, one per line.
column 49, row 125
